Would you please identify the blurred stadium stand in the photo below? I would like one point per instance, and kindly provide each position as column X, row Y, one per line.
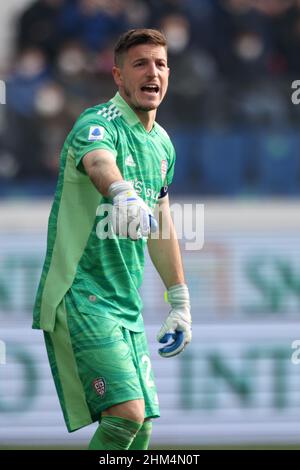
column 232, row 65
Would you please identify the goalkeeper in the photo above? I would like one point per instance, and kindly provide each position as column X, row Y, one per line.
column 88, row 302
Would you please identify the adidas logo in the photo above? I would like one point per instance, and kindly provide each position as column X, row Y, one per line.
column 129, row 161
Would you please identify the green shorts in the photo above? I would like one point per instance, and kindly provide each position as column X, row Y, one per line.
column 96, row 363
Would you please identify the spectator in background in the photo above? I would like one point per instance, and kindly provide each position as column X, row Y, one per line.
column 22, row 140
column 195, row 70
column 93, row 23
column 248, row 46
column 39, row 26
column 271, row 7
column 138, row 13
column 259, row 35
column 248, row 61
column 75, row 73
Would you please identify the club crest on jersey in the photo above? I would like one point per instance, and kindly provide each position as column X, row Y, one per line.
column 100, row 386
column 164, row 169
column 96, row 133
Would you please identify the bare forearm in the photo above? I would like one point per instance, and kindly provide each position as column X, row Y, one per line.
column 166, row 257
column 102, row 170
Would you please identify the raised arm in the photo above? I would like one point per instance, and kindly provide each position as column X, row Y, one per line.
column 131, row 217
column 101, row 167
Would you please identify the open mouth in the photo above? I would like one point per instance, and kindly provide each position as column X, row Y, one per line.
column 150, row 89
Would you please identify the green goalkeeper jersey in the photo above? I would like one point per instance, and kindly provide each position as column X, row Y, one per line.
column 104, row 274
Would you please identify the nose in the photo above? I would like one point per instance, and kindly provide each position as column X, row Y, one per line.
column 152, row 69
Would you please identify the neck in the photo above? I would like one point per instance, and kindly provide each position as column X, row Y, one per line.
column 147, row 118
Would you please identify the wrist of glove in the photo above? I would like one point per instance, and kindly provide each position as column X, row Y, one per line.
column 177, row 326
column 131, row 217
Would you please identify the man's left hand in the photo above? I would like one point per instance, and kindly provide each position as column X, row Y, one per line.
column 177, row 326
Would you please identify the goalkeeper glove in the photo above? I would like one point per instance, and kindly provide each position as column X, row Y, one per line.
column 177, row 326
column 131, row 217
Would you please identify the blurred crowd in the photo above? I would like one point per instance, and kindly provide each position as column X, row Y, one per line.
column 232, row 64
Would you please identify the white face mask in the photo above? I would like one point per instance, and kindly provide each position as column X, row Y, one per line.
column 177, row 38
column 31, row 64
column 49, row 101
column 249, row 47
column 71, row 62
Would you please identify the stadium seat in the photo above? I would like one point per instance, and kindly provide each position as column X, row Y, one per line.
column 185, row 177
column 222, row 159
column 278, row 163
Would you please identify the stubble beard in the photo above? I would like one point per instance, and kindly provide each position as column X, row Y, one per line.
column 136, row 105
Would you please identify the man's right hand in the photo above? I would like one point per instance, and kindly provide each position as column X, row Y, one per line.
column 131, row 217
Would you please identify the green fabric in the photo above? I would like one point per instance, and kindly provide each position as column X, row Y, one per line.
column 70, row 223
column 142, row 439
column 96, row 363
column 113, row 358
column 104, row 275
column 114, row 433
column 65, row 373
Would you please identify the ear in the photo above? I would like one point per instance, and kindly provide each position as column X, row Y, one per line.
column 117, row 74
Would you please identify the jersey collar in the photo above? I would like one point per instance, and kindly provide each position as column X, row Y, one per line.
column 127, row 112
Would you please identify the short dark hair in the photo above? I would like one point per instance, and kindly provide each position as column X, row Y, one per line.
column 134, row 37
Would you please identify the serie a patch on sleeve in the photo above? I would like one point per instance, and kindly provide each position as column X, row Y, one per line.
column 96, row 133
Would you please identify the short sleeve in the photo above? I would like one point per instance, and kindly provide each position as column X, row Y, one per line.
column 92, row 134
